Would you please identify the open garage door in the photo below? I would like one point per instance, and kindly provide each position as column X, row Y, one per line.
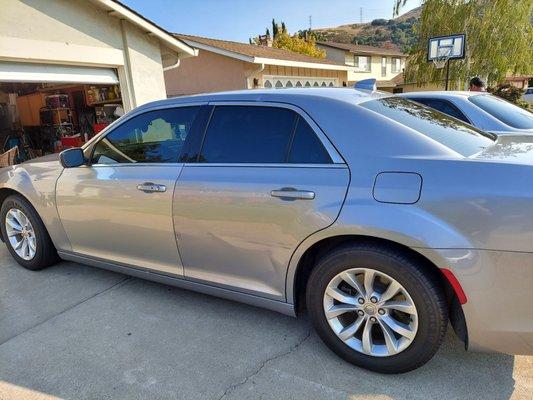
column 45, row 108
column 28, row 72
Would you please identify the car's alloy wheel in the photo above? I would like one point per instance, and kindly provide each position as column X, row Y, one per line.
column 21, row 234
column 25, row 235
column 377, row 306
column 371, row 312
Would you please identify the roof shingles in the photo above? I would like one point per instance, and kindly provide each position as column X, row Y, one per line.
column 251, row 50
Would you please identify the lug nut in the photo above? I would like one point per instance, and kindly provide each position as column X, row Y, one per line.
column 381, row 311
column 361, row 300
column 361, row 312
column 373, row 319
column 374, row 299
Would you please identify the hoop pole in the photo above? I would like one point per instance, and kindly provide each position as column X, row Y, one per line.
column 447, row 73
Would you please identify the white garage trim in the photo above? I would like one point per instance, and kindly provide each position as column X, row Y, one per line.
column 29, row 72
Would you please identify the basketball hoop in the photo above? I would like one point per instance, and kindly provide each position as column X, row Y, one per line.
column 444, row 53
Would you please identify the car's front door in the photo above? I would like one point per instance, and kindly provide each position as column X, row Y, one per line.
column 263, row 179
column 119, row 208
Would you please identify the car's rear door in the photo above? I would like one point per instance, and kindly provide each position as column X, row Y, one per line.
column 262, row 179
column 119, row 208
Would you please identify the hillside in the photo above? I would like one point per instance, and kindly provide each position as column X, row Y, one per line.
column 397, row 32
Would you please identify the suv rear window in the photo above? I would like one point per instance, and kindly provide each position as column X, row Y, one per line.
column 452, row 133
column 506, row 112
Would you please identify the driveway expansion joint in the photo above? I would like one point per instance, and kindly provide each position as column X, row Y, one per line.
column 263, row 364
column 103, row 291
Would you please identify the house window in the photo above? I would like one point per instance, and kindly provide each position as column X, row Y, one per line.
column 362, row 63
column 383, row 66
column 396, row 65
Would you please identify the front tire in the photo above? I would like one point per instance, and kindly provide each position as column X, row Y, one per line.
column 377, row 308
column 25, row 235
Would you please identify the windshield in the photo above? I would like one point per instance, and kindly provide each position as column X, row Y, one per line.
column 506, row 112
column 452, row 133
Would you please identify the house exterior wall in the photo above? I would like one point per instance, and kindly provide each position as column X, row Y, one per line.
column 76, row 32
column 347, row 57
column 208, row 72
column 211, row 72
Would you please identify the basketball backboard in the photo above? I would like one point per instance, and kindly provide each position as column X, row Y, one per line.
column 451, row 46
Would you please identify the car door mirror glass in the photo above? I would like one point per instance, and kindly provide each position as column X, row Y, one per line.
column 72, row 158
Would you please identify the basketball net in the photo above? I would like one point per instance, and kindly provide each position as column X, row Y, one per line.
column 443, row 55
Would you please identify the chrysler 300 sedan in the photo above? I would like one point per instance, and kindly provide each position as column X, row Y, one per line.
column 381, row 218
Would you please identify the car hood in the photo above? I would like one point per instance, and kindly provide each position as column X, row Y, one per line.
column 47, row 158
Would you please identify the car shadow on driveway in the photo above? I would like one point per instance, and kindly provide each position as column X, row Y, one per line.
column 76, row 332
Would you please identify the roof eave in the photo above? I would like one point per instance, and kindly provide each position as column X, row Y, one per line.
column 264, row 60
column 115, row 8
column 302, row 64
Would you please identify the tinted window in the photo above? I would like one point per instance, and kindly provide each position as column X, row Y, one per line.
column 152, row 137
column 444, row 107
column 504, row 111
column 248, row 134
column 454, row 134
column 306, row 146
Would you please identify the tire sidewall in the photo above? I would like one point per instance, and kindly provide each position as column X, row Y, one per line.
column 40, row 233
column 430, row 318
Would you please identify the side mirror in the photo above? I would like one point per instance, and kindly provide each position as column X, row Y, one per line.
column 72, row 158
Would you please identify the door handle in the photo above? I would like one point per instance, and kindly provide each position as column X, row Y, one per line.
column 149, row 187
column 293, row 194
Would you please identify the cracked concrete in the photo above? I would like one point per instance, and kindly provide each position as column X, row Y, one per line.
column 262, row 365
column 75, row 332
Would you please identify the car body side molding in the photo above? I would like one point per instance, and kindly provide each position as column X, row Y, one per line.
column 273, row 305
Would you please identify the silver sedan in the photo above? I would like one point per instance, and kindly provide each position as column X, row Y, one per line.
column 481, row 109
column 381, row 218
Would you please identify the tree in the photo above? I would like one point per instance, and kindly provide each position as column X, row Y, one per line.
column 301, row 42
column 499, row 38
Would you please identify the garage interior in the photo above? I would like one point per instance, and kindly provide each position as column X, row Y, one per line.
column 45, row 109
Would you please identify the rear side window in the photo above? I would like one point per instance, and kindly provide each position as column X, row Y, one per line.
column 456, row 135
column 506, row 112
column 153, row 137
column 444, row 107
column 306, row 147
column 255, row 134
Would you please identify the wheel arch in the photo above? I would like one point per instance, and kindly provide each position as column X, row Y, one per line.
column 313, row 253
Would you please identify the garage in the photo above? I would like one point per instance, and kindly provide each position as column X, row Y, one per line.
column 45, row 109
column 69, row 69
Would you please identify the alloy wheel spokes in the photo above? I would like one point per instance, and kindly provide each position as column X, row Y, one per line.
column 370, row 312
column 20, row 234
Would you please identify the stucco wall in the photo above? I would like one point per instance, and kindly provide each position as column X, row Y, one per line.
column 208, row 72
column 76, row 32
column 347, row 58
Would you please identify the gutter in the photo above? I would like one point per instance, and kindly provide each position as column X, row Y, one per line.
column 258, row 70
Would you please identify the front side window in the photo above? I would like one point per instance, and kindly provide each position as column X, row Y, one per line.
column 153, row 137
column 504, row 111
column 452, row 133
column 256, row 134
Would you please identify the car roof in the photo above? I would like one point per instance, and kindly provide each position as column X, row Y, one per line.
column 287, row 95
column 442, row 94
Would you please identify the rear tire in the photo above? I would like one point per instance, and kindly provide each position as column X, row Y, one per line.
column 378, row 347
column 32, row 248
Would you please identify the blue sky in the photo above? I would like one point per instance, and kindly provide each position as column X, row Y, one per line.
column 240, row 19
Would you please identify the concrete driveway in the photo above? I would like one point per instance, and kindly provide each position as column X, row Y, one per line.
column 77, row 332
